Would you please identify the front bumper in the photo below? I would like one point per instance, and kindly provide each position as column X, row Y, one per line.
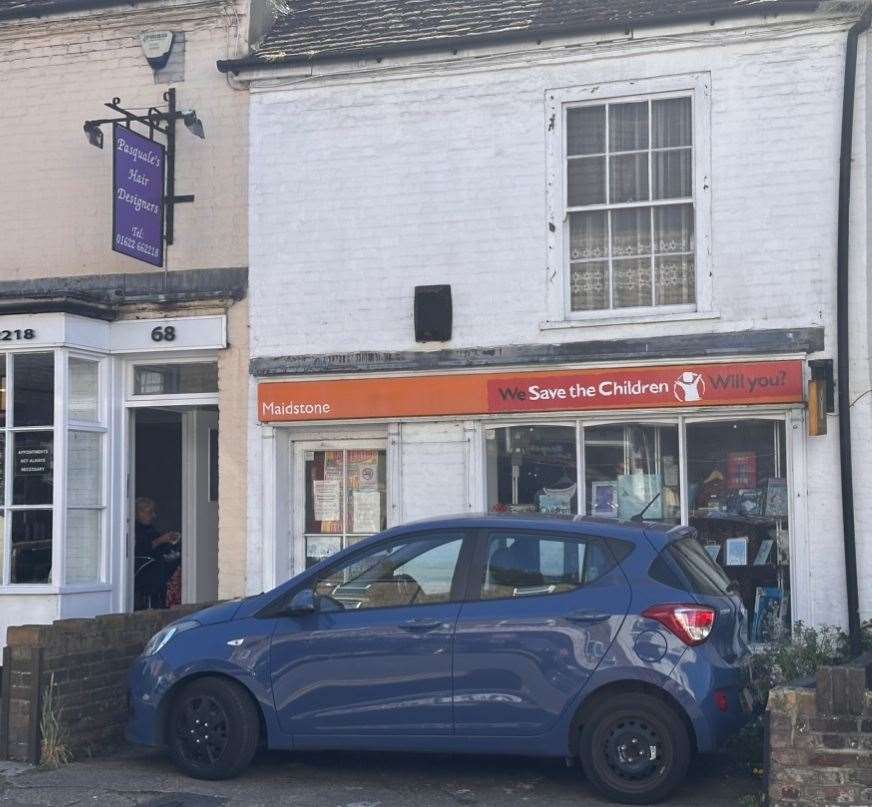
column 148, row 681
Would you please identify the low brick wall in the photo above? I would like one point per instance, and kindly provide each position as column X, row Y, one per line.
column 87, row 661
column 820, row 741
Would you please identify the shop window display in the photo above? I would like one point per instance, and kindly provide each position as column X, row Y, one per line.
column 345, row 499
column 738, row 502
column 632, row 469
column 532, row 469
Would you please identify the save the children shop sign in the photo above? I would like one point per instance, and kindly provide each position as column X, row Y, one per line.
column 677, row 385
column 138, row 195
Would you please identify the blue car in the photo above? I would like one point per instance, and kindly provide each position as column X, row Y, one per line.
column 616, row 644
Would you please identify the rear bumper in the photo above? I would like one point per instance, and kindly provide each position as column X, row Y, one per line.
column 704, row 685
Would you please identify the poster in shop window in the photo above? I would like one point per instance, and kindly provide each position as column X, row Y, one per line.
column 363, row 491
column 366, row 509
column 326, row 498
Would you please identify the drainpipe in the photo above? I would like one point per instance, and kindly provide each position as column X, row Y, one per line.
column 842, row 331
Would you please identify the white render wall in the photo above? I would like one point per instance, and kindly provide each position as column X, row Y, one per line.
column 379, row 177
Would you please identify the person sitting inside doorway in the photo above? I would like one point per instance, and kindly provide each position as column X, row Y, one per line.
column 157, row 557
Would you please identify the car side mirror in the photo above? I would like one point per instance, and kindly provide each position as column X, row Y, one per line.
column 303, row 602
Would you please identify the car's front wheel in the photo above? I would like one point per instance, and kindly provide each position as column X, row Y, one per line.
column 213, row 729
column 634, row 748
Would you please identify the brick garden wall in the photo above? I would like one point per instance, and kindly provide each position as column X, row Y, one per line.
column 820, row 741
column 87, row 660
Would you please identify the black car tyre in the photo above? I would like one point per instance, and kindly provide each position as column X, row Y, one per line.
column 213, row 729
column 634, row 748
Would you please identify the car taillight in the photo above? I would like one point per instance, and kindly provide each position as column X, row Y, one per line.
column 691, row 623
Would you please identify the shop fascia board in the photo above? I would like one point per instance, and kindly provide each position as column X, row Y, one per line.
column 711, row 347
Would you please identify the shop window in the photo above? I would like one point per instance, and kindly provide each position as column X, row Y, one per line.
column 28, row 519
column 345, row 499
column 532, row 469
column 525, row 565
column 175, row 379
column 738, row 501
column 631, row 469
column 414, row 572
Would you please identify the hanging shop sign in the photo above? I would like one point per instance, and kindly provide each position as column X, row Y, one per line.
column 696, row 385
column 138, row 195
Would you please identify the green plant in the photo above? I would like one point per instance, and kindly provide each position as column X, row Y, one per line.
column 54, row 751
column 797, row 656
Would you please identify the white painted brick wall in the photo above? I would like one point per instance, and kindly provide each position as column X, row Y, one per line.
column 365, row 185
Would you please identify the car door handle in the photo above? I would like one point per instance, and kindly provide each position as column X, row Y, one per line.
column 421, row 624
column 588, row 617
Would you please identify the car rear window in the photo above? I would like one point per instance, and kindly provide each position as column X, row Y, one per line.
column 703, row 575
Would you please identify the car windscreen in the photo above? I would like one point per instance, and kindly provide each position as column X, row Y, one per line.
column 703, row 575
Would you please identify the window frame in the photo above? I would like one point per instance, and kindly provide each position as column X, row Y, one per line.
column 557, row 102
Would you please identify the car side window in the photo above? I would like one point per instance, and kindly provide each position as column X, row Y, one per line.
column 410, row 571
column 523, row 564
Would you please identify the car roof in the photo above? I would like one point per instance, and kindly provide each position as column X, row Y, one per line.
column 657, row 533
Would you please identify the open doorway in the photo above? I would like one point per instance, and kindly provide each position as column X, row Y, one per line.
column 174, row 505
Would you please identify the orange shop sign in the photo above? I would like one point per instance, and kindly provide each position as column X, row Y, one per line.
column 752, row 382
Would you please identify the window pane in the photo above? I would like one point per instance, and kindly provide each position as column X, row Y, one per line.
column 739, row 501
column 671, row 122
column 525, row 565
column 589, row 286
column 532, row 469
column 631, row 232
column 31, row 546
column 631, row 283
column 628, row 126
column 2, row 474
column 586, row 130
column 676, row 279
column 3, row 390
column 365, row 491
column 673, row 174
column 588, row 235
column 84, row 389
column 84, row 539
column 628, row 178
column 586, row 181
column 341, row 510
column 413, row 572
column 626, row 466
column 34, row 389
column 84, row 475
column 32, row 467
column 175, row 379
column 673, row 229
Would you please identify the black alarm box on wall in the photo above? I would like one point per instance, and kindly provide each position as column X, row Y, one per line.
column 433, row 313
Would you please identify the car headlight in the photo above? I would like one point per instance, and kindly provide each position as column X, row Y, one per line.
column 161, row 638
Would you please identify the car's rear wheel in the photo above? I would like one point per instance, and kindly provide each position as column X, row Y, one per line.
column 634, row 748
column 213, row 729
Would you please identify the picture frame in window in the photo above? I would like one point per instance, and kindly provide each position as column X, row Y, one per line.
column 604, row 498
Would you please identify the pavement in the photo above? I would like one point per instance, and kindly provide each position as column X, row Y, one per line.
column 145, row 778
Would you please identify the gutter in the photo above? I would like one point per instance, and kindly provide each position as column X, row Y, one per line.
column 842, row 330
column 625, row 27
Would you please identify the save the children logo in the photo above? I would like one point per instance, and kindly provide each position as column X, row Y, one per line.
column 689, row 387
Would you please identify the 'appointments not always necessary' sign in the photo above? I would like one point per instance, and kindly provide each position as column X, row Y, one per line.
column 763, row 382
column 137, row 195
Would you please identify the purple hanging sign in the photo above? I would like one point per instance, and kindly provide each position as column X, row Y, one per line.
column 138, row 195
